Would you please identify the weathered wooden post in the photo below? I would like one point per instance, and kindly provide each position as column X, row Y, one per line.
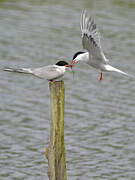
column 55, row 152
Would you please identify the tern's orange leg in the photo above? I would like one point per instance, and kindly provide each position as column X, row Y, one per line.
column 101, row 77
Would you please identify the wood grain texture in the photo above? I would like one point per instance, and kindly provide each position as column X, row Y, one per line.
column 56, row 151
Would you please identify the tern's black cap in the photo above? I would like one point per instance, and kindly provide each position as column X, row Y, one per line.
column 77, row 53
column 61, row 63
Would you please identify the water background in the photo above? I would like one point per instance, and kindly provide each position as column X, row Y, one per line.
column 99, row 117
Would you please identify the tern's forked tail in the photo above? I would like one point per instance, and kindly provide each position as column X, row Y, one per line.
column 19, row 70
column 111, row 68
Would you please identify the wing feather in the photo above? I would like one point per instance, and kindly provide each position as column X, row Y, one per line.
column 91, row 38
column 48, row 72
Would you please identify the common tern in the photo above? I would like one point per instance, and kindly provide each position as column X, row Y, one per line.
column 91, row 42
column 51, row 72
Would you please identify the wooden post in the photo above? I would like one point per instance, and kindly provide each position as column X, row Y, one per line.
column 55, row 153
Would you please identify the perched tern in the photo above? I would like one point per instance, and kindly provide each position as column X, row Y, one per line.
column 51, row 72
column 91, row 42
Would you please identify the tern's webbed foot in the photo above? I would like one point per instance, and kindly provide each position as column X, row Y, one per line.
column 52, row 81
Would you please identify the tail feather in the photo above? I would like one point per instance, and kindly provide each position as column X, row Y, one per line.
column 111, row 68
column 19, row 70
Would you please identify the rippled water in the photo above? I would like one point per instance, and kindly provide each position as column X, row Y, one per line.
column 99, row 117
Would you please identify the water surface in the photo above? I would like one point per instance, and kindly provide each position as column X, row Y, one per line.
column 99, row 117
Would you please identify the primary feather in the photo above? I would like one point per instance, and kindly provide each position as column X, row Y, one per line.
column 91, row 40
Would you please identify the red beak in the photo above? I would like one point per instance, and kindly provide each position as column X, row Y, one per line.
column 73, row 62
column 68, row 65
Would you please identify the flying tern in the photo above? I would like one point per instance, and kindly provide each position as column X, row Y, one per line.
column 91, row 42
column 51, row 72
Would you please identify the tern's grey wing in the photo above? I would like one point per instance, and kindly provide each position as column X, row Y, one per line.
column 48, row 72
column 91, row 37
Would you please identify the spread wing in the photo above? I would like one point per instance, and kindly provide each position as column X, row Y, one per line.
column 91, row 38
